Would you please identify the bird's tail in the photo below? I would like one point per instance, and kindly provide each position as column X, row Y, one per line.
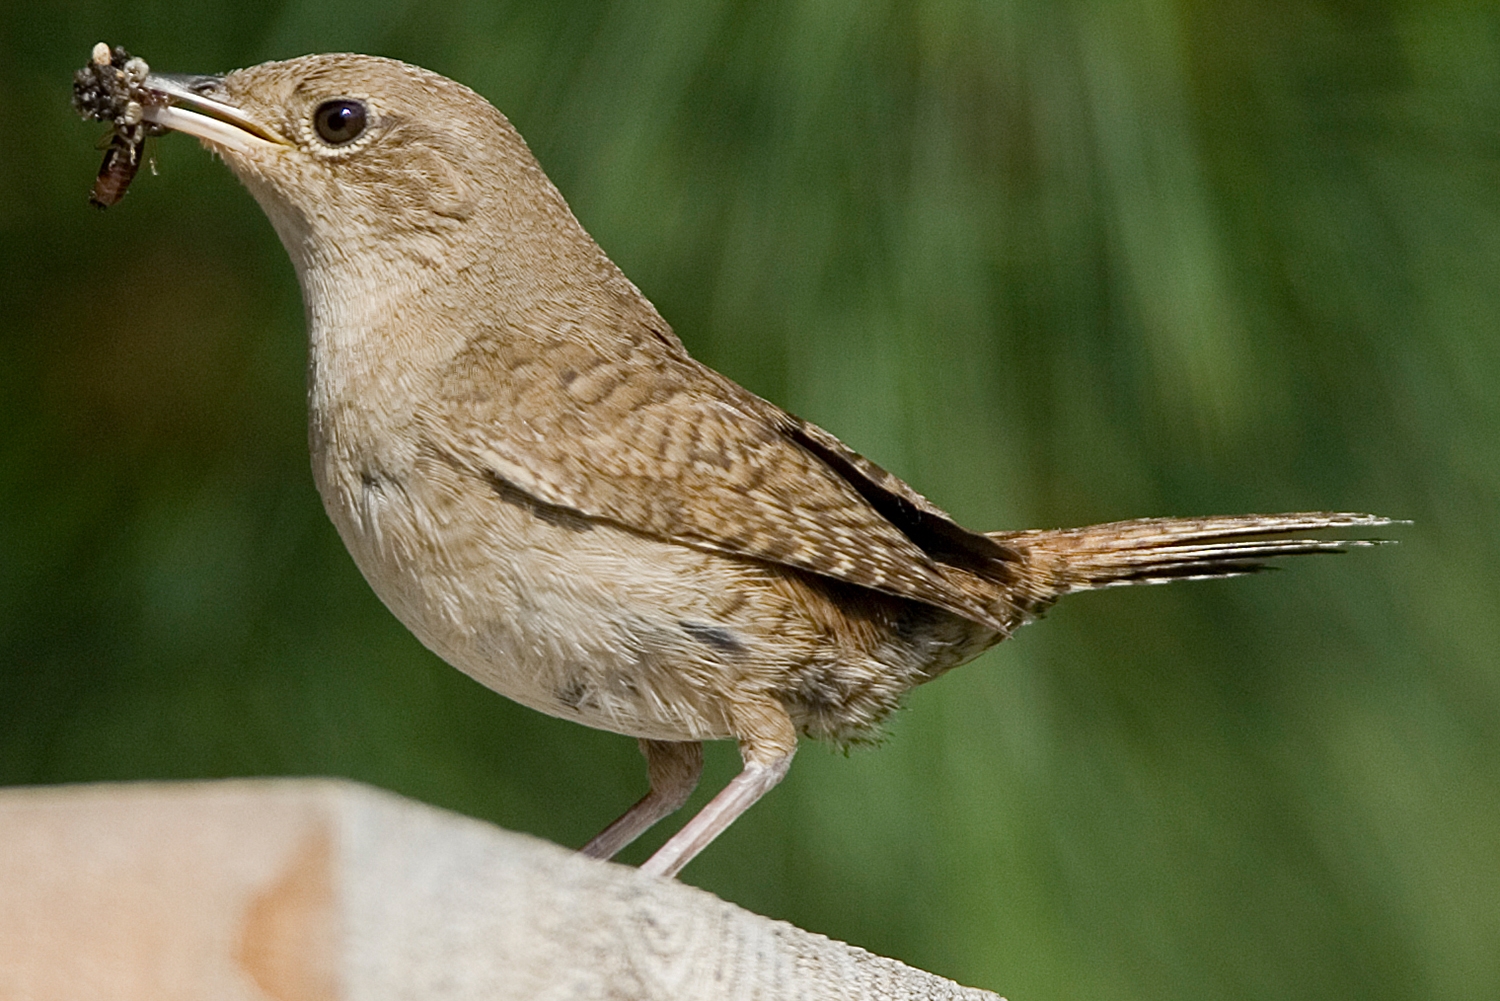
column 1161, row 550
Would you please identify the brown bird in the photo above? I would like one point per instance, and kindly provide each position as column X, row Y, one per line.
column 543, row 485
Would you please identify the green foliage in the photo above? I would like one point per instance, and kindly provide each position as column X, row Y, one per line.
column 1052, row 263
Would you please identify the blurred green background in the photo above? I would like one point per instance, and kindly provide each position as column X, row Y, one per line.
column 1052, row 262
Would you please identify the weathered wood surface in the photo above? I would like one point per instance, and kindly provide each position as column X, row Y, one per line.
column 304, row 889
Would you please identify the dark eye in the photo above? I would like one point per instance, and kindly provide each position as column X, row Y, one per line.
column 339, row 121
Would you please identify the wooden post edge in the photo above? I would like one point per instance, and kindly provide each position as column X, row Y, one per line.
column 298, row 889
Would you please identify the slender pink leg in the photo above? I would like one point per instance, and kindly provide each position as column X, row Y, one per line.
column 734, row 799
column 673, row 767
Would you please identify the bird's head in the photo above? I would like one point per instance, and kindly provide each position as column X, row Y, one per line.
column 367, row 163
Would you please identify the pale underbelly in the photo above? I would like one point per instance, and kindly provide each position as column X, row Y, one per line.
column 576, row 619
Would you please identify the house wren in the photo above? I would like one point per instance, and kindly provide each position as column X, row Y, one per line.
column 538, row 480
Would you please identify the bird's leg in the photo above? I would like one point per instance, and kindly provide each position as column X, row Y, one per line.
column 673, row 767
column 767, row 755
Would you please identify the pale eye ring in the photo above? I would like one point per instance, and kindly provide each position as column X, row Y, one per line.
column 340, row 121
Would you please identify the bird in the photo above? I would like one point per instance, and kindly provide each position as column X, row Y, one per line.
column 541, row 483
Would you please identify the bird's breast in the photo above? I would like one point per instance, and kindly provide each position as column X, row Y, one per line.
column 570, row 617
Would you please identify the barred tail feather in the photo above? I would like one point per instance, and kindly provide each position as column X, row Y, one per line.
column 1161, row 550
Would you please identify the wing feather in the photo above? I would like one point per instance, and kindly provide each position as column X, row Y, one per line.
column 647, row 438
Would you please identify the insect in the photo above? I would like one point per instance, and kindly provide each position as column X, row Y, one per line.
column 112, row 88
column 121, row 160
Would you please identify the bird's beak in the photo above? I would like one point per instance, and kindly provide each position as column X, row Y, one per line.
column 229, row 128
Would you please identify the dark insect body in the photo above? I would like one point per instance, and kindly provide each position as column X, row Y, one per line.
column 121, row 161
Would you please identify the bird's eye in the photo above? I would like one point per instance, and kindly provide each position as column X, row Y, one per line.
column 339, row 122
